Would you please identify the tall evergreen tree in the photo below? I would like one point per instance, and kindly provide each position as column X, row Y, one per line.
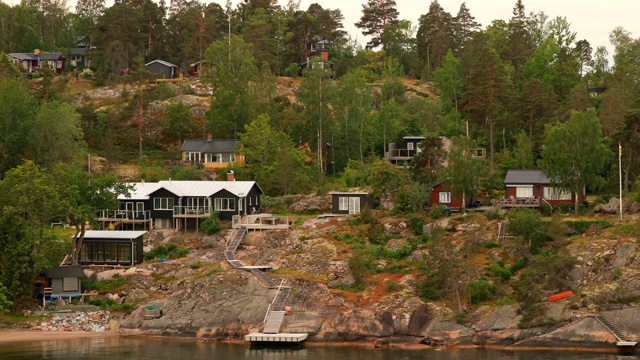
column 434, row 37
column 376, row 16
column 464, row 25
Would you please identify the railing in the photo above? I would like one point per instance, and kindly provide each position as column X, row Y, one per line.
column 124, row 215
column 517, row 202
column 195, row 211
column 401, row 153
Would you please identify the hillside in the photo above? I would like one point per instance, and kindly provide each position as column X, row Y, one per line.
column 335, row 300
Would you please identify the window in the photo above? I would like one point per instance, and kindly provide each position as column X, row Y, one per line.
column 240, row 204
column 343, row 203
column 123, row 252
column 554, row 193
column 225, row 204
column 524, row 192
column 444, row 197
column 70, row 284
column 410, row 146
column 192, row 156
column 163, row 204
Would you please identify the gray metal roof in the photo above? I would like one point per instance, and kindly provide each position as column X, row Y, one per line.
column 526, row 177
column 112, row 234
column 58, row 272
column 348, row 193
column 210, row 146
column 32, row 56
column 165, row 63
column 141, row 191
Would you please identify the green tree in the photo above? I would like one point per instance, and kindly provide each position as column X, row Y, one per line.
column 178, row 122
column 377, row 15
column 57, row 136
column 231, row 68
column 448, row 79
column 463, row 171
column 575, row 155
column 82, row 196
column 314, row 93
column 17, row 115
column 434, row 38
column 386, row 180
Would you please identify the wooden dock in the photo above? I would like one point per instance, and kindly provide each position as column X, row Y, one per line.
column 275, row 338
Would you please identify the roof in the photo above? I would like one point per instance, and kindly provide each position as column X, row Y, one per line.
column 58, row 272
column 40, row 56
column 208, row 188
column 348, row 193
column 142, row 191
column 210, row 146
column 526, row 177
column 114, row 235
column 165, row 63
column 414, row 138
column 77, row 51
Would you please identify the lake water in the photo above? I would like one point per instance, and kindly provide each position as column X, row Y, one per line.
column 115, row 348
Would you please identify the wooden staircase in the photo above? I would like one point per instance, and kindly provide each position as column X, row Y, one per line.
column 620, row 336
column 273, row 322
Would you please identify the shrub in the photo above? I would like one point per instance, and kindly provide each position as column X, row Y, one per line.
column 582, row 226
column 392, row 286
column 491, row 244
column 5, row 304
column 164, row 91
column 494, row 215
column 437, row 212
column 526, row 223
column 104, row 286
column 360, row 264
column 617, row 273
column 166, row 251
column 499, row 271
column 481, row 290
column 292, row 70
column 211, row 225
column 416, row 223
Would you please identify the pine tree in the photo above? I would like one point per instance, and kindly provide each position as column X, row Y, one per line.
column 464, row 25
column 434, row 37
column 376, row 16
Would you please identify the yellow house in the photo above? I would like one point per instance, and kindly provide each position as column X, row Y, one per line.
column 212, row 153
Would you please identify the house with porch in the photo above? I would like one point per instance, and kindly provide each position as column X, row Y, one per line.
column 36, row 61
column 531, row 187
column 182, row 204
column 212, row 153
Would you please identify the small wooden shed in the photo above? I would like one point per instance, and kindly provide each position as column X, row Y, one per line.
column 349, row 202
column 163, row 69
column 64, row 281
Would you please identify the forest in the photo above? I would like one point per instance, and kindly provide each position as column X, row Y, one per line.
column 526, row 90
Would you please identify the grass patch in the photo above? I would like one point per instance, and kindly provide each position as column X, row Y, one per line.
column 105, row 286
column 577, row 227
column 171, row 251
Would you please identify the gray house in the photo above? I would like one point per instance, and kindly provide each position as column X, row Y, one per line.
column 64, row 281
column 162, row 69
column 212, row 153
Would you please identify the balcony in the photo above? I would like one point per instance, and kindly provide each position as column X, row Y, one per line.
column 192, row 211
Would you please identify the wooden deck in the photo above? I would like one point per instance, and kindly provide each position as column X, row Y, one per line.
column 507, row 203
column 261, row 222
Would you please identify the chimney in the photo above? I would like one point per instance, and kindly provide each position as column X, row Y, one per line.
column 231, row 176
column 324, row 54
column 209, row 137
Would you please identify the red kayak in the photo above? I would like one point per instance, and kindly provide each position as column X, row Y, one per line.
column 560, row 296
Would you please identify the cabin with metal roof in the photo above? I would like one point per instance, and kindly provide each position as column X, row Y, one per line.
column 212, row 153
column 182, row 204
column 350, row 202
column 104, row 247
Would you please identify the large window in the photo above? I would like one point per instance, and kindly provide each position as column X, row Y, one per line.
column 343, row 203
column 523, row 192
column 192, row 156
column 554, row 193
column 225, row 204
column 222, row 158
column 163, row 204
column 444, row 197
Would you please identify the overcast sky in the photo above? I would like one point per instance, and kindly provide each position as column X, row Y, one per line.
column 590, row 19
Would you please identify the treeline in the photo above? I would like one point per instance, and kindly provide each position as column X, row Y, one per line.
column 501, row 85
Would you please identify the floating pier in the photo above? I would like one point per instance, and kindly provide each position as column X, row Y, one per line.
column 276, row 338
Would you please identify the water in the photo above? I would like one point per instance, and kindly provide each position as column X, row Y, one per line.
column 114, row 348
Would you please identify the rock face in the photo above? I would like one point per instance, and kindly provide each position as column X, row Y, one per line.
column 229, row 303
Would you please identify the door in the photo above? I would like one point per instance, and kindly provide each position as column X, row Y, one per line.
column 354, row 205
column 130, row 211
